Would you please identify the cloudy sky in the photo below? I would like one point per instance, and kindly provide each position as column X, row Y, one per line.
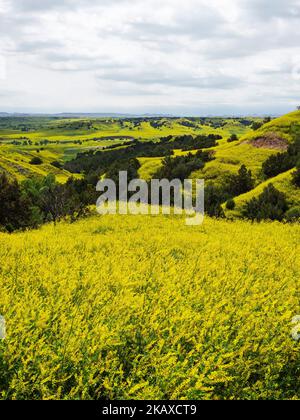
column 189, row 57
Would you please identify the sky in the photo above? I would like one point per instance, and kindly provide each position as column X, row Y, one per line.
column 190, row 57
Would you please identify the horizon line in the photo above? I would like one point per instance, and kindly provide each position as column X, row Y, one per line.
column 143, row 114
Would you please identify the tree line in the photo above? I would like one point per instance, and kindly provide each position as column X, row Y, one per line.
column 99, row 161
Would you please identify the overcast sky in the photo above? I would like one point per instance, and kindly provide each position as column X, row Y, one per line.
column 188, row 57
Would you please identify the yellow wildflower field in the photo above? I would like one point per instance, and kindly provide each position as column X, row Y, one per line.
column 145, row 307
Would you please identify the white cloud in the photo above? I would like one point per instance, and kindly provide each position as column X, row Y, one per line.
column 110, row 55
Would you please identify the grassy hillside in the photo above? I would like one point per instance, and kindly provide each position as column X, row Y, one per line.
column 59, row 139
column 16, row 161
column 286, row 126
column 228, row 159
column 230, row 156
column 282, row 182
column 146, row 307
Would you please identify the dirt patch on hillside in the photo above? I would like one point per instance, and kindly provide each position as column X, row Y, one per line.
column 270, row 141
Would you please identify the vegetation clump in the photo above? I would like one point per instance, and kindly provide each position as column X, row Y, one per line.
column 270, row 205
column 36, row 161
column 282, row 162
column 232, row 138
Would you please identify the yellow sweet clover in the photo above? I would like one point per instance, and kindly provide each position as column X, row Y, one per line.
column 145, row 307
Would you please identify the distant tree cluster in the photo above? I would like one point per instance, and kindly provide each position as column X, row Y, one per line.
column 75, row 125
column 57, row 164
column 187, row 142
column 256, row 125
column 181, row 167
column 158, row 123
column 100, row 161
column 131, row 166
column 188, row 123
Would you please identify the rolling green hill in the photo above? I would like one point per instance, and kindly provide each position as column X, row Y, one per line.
column 252, row 150
column 58, row 140
column 286, row 127
column 282, row 182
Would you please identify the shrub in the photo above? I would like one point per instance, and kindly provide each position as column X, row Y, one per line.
column 240, row 183
column 181, row 167
column 36, row 161
column 276, row 164
column 270, row 205
column 232, row 138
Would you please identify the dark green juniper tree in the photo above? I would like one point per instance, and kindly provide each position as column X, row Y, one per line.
column 270, row 205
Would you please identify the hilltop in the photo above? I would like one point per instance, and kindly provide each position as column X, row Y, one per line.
column 286, row 127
